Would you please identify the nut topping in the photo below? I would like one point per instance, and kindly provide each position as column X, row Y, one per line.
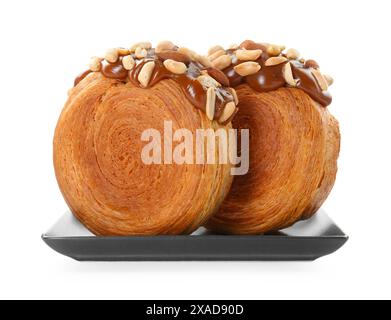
column 219, row 76
column 273, row 61
column 216, row 55
column 233, row 46
column 329, row 79
column 248, row 59
column 251, row 45
column 128, row 62
column 175, row 66
column 248, row 55
column 112, row 55
column 141, row 53
column 292, row 54
column 208, row 81
column 190, row 53
column 227, row 112
column 203, row 60
column 235, row 96
column 142, row 45
column 123, row 52
column 320, row 79
column 311, row 64
column 165, row 46
column 173, row 55
column 204, row 84
column 215, row 49
column 288, row 75
column 222, row 62
column 95, row 64
column 275, row 50
column 247, row 68
column 145, row 74
column 210, row 103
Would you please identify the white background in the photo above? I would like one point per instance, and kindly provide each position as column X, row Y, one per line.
column 45, row 44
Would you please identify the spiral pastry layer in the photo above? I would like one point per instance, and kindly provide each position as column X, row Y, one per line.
column 98, row 166
column 294, row 146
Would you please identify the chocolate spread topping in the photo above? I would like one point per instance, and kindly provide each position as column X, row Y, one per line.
column 192, row 88
column 271, row 78
column 268, row 78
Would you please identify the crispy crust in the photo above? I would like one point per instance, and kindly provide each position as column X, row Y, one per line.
column 294, row 147
column 97, row 159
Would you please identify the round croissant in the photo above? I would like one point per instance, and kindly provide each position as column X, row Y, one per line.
column 294, row 146
column 97, row 159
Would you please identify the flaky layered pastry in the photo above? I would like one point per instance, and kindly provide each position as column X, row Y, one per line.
column 98, row 147
column 294, row 145
column 294, row 140
column 280, row 97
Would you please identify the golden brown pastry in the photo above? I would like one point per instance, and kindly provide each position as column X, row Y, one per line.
column 294, row 140
column 98, row 146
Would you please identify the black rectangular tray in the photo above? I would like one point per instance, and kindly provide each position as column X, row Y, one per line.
column 305, row 241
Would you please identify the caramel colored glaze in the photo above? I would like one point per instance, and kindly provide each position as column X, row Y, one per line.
column 309, row 85
column 271, row 78
column 251, row 45
column 177, row 56
column 193, row 89
column 234, row 79
column 115, row 70
column 219, row 76
column 267, row 79
column 82, row 76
